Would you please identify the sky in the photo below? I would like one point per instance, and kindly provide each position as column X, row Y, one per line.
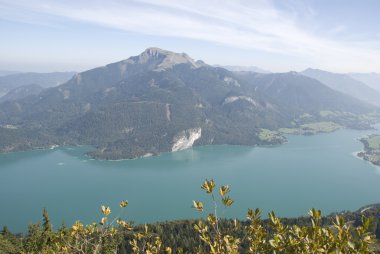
column 276, row 35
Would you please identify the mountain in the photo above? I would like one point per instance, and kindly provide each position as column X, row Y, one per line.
column 243, row 68
column 6, row 72
column 299, row 94
column 45, row 80
column 22, row 92
column 345, row 84
column 164, row 101
column 370, row 79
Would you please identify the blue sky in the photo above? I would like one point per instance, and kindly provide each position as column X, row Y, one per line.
column 278, row 35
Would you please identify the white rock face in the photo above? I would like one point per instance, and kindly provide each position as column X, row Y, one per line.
column 162, row 59
column 66, row 94
column 231, row 81
column 152, row 83
column 109, row 89
column 18, row 106
column 87, row 107
column 123, row 69
column 9, row 126
column 185, row 139
column 168, row 112
column 235, row 98
column 127, row 130
column 78, row 78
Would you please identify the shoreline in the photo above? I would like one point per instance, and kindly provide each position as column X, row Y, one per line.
column 150, row 155
column 368, row 153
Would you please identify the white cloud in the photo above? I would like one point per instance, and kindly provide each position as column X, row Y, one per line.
column 241, row 24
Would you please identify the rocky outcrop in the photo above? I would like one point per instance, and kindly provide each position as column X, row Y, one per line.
column 186, row 139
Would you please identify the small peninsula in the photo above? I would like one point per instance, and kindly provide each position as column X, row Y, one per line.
column 371, row 151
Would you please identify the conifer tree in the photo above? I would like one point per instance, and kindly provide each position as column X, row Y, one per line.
column 47, row 231
column 47, row 227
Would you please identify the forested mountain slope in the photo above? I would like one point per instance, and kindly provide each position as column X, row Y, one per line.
column 164, row 101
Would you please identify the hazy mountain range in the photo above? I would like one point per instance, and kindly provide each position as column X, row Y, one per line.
column 370, row 79
column 6, row 72
column 22, row 92
column 45, row 80
column 346, row 84
column 243, row 68
column 164, row 101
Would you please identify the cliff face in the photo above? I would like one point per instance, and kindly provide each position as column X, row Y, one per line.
column 186, row 139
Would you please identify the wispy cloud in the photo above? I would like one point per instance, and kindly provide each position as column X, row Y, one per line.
column 242, row 24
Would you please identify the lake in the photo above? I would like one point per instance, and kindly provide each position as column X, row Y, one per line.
column 309, row 171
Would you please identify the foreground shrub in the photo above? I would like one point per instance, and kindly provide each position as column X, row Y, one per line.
column 276, row 237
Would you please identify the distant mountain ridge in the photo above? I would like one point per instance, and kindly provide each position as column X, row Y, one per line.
column 345, row 84
column 45, row 80
column 7, row 72
column 370, row 79
column 163, row 101
column 22, row 92
column 243, row 68
column 300, row 94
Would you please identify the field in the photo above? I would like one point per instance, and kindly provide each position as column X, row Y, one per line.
column 311, row 128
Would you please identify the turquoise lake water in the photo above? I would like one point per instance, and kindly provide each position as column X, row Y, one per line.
column 309, row 171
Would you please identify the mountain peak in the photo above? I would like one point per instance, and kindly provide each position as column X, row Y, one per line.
column 153, row 51
column 160, row 59
column 312, row 69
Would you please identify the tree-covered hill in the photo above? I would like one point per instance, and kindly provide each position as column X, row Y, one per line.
column 163, row 101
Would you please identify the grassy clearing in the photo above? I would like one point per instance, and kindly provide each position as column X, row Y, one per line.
column 269, row 136
column 374, row 141
column 326, row 113
column 311, row 128
column 371, row 151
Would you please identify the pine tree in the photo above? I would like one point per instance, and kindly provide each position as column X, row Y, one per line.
column 32, row 241
column 47, row 231
column 47, row 227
